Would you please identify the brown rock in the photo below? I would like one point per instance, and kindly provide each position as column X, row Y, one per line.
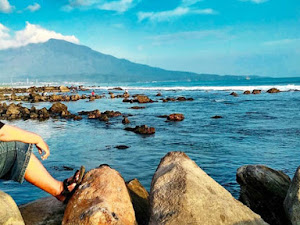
column 182, row 193
column 263, row 190
column 273, row 90
column 137, row 107
column 247, row 92
column 125, row 120
column 256, row 92
column 181, row 99
column 143, row 99
column 158, row 94
column 44, row 211
column 101, row 199
column 13, row 110
column 144, row 129
column 234, row 94
column 175, row 117
column 140, row 200
column 58, row 108
column 64, row 89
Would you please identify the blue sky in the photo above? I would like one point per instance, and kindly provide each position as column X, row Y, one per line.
column 205, row 36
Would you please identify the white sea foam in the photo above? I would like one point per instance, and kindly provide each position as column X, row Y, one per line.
column 289, row 87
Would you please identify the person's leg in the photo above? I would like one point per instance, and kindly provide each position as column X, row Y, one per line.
column 37, row 175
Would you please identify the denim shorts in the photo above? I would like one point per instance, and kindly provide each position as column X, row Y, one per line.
column 14, row 159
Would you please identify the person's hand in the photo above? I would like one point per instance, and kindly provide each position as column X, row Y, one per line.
column 43, row 148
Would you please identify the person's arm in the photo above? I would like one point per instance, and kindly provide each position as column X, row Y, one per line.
column 11, row 133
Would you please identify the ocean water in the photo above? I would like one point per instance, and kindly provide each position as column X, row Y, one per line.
column 255, row 129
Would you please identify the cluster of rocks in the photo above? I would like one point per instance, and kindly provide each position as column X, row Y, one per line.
column 139, row 99
column 96, row 114
column 17, row 111
column 255, row 92
column 34, row 89
column 180, row 193
column 270, row 193
column 180, row 99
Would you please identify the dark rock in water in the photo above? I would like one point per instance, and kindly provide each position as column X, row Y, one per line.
column 104, row 118
column 190, row 99
column 125, row 120
column 181, row 99
column 112, row 113
column 263, row 190
column 158, row 94
column 117, row 88
column 144, row 129
column 163, row 116
column 68, row 168
column 175, row 117
column 247, row 93
column 44, row 211
column 217, row 117
column 77, row 117
column 234, row 94
column 95, row 114
column 143, row 99
column 292, row 200
column 273, row 90
column 182, row 193
column 58, row 108
column 256, row 92
column 140, row 200
column 121, row 147
column 137, row 107
column 102, row 198
column 9, row 212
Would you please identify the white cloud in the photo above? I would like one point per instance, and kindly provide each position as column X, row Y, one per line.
column 282, row 42
column 167, row 15
column 183, row 9
column 119, row 6
column 5, row 7
column 30, row 34
column 255, row 1
column 34, row 7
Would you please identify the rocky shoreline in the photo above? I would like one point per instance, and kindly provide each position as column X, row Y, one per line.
column 181, row 193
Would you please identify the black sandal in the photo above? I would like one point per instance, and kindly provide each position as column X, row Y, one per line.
column 66, row 183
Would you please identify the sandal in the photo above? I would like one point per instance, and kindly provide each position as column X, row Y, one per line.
column 67, row 182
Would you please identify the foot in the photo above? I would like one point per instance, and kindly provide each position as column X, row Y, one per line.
column 68, row 186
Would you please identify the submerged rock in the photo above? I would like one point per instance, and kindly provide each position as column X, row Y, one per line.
column 247, row 92
column 44, row 211
column 125, row 120
column 263, row 190
column 102, row 198
column 144, row 129
column 121, row 147
column 217, row 117
column 9, row 212
column 292, row 200
column 175, row 117
column 234, row 94
column 140, row 200
column 256, row 92
column 182, row 193
column 137, row 107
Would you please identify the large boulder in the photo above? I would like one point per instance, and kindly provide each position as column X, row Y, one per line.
column 102, row 198
column 140, row 200
column 64, row 88
column 175, row 117
column 44, row 211
column 292, row 200
column 273, row 90
column 9, row 212
column 182, row 193
column 13, row 110
column 143, row 99
column 263, row 190
column 144, row 129
column 58, row 108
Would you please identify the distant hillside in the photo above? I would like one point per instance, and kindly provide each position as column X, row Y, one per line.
column 62, row 60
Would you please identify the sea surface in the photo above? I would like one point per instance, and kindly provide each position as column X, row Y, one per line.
column 255, row 129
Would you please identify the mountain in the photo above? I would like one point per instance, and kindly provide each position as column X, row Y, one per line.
column 62, row 60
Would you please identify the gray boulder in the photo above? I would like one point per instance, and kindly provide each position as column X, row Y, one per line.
column 263, row 190
column 44, row 211
column 182, row 193
column 292, row 200
column 9, row 212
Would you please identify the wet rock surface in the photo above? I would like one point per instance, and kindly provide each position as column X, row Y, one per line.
column 264, row 190
column 273, row 90
column 175, row 117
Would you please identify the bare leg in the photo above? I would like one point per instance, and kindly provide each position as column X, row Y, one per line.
column 37, row 175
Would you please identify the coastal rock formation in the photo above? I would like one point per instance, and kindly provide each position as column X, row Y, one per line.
column 102, row 198
column 44, row 211
column 273, row 90
column 182, row 193
column 255, row 92
column 64, row 88
column 9, row 212
column 234, row 94
column 247, row 93
column 144, row 129
column 292, row 200
column 140, row 200
column 143, row 99
column 175, row 117
column 263, row 190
